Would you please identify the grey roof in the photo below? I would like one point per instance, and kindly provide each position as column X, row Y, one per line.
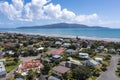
column 56, row 56
column 60, row 69
column 19, row 79
column 70, row 51
column 53, row 78
column 2, row 69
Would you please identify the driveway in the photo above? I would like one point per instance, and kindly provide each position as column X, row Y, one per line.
column 110, row 73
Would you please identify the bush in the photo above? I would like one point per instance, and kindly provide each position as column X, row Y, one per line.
column 10, row 63
column 96, row 73
column 104, row 68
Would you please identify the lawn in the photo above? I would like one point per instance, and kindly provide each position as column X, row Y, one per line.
column 1, row 48
column 10, row 68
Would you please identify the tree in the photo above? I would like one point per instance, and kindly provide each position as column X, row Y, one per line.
column 16, row 60
column 18, row 75
column 31, row 75
column 46, row 68
column 81, row 73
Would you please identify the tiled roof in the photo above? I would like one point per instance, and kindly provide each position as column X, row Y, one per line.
column 31, row 64
column 57, row 52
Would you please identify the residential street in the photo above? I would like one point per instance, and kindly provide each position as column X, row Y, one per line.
column 110, row 73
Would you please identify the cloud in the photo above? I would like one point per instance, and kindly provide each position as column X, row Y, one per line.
column 41, row 9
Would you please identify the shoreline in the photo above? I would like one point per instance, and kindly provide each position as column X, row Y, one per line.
column 67, row 36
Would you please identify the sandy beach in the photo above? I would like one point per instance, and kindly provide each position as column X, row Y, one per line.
column 68, row 36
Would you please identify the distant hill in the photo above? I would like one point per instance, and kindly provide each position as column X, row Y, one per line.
column 60, row 25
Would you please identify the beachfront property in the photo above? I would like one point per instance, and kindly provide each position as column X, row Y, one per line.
column 84, row 55
column 57, row 55
column 60, row 70
column 2, row 70
column 32, row 64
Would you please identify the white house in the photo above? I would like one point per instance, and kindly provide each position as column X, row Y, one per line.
column 56, row 56
column 58, row 43
column 41, row 48
column 70, row 51
column 2, row 70
column 92, row 63
column 10, row 52
column 66, row 44
column 84, row 55
column 53, row 78
column 99, row 60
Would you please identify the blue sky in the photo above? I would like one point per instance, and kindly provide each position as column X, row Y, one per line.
column 15, row 13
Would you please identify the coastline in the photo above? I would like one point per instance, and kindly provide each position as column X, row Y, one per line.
column 67, row 36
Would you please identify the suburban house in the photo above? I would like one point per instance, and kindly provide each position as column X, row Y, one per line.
column 84, row 55
column 57, row 52
column 100, row 48
column 2, row 60
column 55, row 57
column 99, row 59
column 58, row 43
column 70, row 64
column 111, row 50
column 33, row 64
column 60, row 70
column 10, row 52
column 8, row 45
column 53, row 78
column 40, row 49
column 19, row 79
column 91, row 63
column 70, row 51
column 2, row 70
column 66, row 44
column 1, row 54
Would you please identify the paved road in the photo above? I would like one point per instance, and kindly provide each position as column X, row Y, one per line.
column 110, row 73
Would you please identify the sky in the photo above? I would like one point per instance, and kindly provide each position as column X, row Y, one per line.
column 16, row 13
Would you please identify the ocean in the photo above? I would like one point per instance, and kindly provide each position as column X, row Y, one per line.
column 85, row 33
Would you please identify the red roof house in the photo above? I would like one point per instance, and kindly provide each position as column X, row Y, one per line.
column 33, row 64
column 57, row 52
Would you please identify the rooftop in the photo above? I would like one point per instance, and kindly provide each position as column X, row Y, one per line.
column 57, row 52
column 31, row 64
column 94, row 62
column 2, row 67
column 60, row 69
column 53, row 78
column 83, row 54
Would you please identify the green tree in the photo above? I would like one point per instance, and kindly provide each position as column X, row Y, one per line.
column 31, row 75
column 81, row 73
